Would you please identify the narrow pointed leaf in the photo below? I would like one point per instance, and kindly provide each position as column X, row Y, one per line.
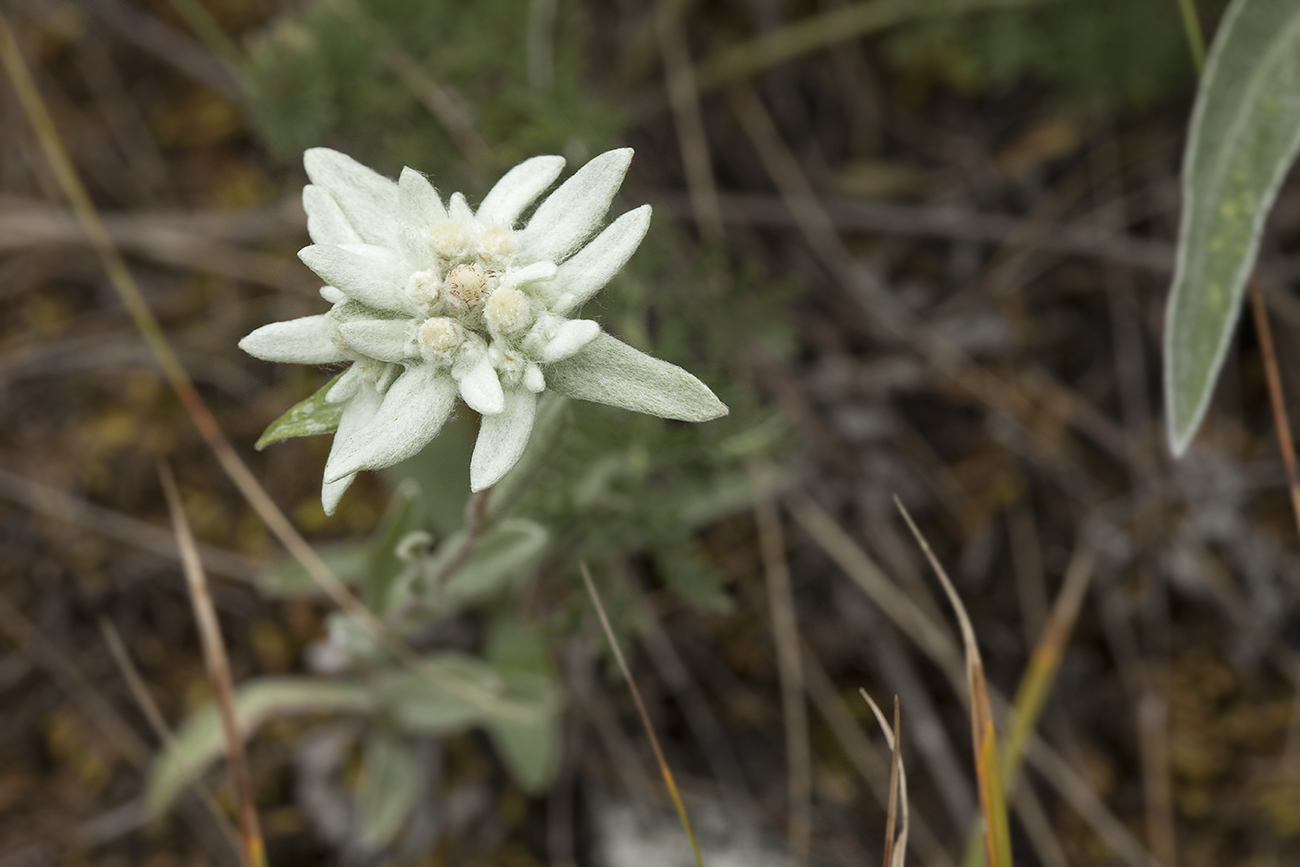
column 310, row 417
column 1244, row 135
column 611, row 372
column 367, row 198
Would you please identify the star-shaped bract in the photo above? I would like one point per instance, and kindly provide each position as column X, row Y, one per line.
column 432, row 301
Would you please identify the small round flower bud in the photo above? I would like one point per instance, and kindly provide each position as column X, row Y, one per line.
column 438, row 337
column 448, row 239
column 423, row 288
column 497, row 243
column 507, row 311
column 468, row 284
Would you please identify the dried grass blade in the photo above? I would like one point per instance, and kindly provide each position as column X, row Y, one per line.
column 1040, row 674
column 785, row 633
column 135, row 683
column 895, row 846
column 252, row 847
column 988, row 766
column 645, row 717
column 1276, row 396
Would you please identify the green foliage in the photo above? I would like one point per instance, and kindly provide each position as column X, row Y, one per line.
column 311, row 417
column 329, row 75
column 1128, row 54
column 1244, row 136
column 199, row 741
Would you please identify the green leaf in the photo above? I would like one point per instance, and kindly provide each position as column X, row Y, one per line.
column 200, row 740
column 388, row 787
column 287, row 578
column 611, row 372
column 311, row 417
column 372, row 565
column 1244, row 136
column 530, row 750
column 499, row 558
column 451, row 692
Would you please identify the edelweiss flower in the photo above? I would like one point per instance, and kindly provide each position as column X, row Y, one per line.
column 431, row 301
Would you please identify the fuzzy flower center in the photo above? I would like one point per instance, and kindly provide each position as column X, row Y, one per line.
column 439, row 336
column 448, row 239
column 468, row 285
column 507, row 311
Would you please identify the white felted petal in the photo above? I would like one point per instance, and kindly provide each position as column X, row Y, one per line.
column 569, row 339
column 572, row 213
column 308, row 340
column 332, row 295
column 611, row 372
column 587, row 271
column 332, row 492
column 420, row 208
column 534, row 380
column 358, row 413
column 533, row 273
column 326, row 222
column 347, row 384
column 410, row 416
column 368, row 274
column 459, row 210
column 367, row 198
column 384, row 339
column 502, row 439
column 481, row 387
column 518, row 189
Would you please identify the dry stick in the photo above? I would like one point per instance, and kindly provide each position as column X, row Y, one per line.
column 235, row 468
column 1276, row 396
column 785, row 632
column 679, row 74
column 148, row 707
column 252, row 849
column 645, row 717
column 988, row 767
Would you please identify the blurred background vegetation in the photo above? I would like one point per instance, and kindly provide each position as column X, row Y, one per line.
column 920, row 248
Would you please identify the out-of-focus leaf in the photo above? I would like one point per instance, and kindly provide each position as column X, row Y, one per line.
column 450, row 693
column 499, row 557
column 403, row 516
column 371, row 565
column 1244, row 136
column 310, row 417
column 441, row 470
column 288, row 578
column 387, row 788
column 199, row 740
column 530, row 750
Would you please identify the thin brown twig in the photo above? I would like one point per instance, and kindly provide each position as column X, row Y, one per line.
column 149, row 708
column 252, row 848
column 1276, row 396
column 692, row 142
column 645, row 716
column 785, row 632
